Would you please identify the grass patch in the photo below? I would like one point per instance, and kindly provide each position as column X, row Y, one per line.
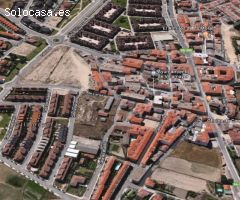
column 193, row 153
column 235, row 159
column 123, row 22
column 84, row 172
column 15, row 71
column 19, row 64
column 34, row 191
column 16, row 187
column 79, row 191
column 113, row 46
column 54, row 32
column 16, row 181
column 5, row 119
column 122, row 3
column 37, row 50
column 85, row 3
column 75, row 10
column 113, row 147
column 235, row 45
column 91, row 164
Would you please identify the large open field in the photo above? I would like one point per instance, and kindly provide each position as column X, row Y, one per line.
column 228, row 33
column 88, row 122
column 195, row 153
column 16, row 187
column 190, row 167
column 179, row 180
column 63, row 66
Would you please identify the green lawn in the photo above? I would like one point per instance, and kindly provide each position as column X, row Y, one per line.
column 15, row 71
column 34, row 191
column 14, row 186
column 235, row 45
column 75, row 10
column 123, row 22
column 16, row 181
column 79, row 191
column 113, row 46
column 19, row 64
column 73, row 13
column 84, row 172
column 236, row 161
column 85, row 3
column 5, row 119
column 91, row 164
column 37, row 50
column 54, row 32
column 122, row 3
column 113, row 147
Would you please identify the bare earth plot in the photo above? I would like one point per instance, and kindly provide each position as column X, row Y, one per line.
column 88, row 123
column 63, row 66
column 179, row 180
column 190, row 167
column 228, row 33
column 23, row 49
column 195, row 153
column 6, row 3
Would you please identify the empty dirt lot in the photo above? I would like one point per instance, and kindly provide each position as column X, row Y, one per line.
column 179, row 180
column 63, row 66
column 190, row 167
column 228, row 33
column 88, row 122
column 195, row 153
column 23, row 49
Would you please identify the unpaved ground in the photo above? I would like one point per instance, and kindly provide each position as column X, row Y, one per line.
column 192, row 169
column 88, row 123
column 53, row 21
column 197, row 154
column 23, row 49
column 179, row 180
column 229, row 32
column 151, row 123
column 6, row 3
column 63, row 66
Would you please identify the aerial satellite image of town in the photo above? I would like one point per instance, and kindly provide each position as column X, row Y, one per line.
column 119, row 99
